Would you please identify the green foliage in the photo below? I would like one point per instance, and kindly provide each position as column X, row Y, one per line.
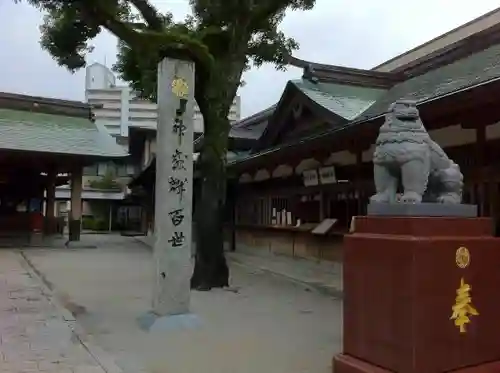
column 217, row 31
column 94, row 223
column 106, row 182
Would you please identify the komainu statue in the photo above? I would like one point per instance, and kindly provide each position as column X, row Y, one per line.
column 406, row 156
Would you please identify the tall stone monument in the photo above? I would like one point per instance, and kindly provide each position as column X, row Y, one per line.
column 420, row 272
column 173, row 190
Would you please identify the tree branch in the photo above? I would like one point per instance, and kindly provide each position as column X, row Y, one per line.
column 96, row 12
column 268, row 9
column 264, row 11
column 150, row 14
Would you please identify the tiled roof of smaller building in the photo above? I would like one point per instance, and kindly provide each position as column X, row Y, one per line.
column 51, row 133
column 253, row 126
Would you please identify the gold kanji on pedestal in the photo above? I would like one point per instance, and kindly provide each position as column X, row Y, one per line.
column 463, row 307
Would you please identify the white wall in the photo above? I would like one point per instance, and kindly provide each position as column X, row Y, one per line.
column 121, row 108
column 98, row 76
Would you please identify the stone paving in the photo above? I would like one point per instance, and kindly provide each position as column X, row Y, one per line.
column 34, row 337
column 265, row 323
column 323, row 276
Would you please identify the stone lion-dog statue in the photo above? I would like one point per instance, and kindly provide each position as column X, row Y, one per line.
column 406, row 156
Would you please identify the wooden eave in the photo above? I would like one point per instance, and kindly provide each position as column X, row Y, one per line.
column 241, row 143
column 291, row 97
column 44, row 162
column 45, row 105
column 234, row 143
column 454, row 52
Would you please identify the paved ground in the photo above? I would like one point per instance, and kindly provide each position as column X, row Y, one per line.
column 323, row 276
column 34, row 337
column 269, row 325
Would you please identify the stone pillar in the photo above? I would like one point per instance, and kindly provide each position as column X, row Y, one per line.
column 50, row 221
column 174, row 188
column 75, row 217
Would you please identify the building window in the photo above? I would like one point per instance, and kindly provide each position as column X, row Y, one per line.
column 121, row 170
column 102, row 169
column 130, row 170
column 90, row 170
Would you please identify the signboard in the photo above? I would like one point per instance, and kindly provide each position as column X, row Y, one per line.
column 327, row 175
column 323, row 175
column 310, row 177
column 324, row 227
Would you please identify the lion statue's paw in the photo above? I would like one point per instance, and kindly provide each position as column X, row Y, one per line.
column 411, row 197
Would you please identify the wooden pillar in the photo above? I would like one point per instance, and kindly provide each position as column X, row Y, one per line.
column 110, row 221
column 75, row 218
column 493, row 193
column 322, row 206
column 50, row 203
column 358, row 182
column 481, row 162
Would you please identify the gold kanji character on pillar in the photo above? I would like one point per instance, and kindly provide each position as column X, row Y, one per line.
column 180, row 88
column 463, row 307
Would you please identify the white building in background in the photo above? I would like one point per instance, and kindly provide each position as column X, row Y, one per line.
column 122, row 109
column 117, row 108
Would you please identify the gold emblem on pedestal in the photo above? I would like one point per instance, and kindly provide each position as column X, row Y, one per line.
column 462, row 257
column 180, row 88
column 463, row 307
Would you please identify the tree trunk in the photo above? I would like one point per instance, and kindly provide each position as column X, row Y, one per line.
column 214, row 97
column 211, row 270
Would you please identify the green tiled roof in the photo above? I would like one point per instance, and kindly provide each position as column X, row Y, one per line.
column 346, row 101
column 357, row 104
column 474, row 69
column 29, row 131
column 234, row 156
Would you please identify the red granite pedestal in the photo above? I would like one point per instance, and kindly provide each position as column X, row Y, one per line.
column 401, row 275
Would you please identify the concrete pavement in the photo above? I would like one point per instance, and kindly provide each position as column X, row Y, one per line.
column 266, row 323
column 34, row 337
column 323, row 276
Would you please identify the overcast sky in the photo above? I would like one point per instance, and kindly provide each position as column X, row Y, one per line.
column 335, row 32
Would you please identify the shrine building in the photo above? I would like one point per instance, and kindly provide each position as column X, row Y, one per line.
column 301, row 169
column 44, row 143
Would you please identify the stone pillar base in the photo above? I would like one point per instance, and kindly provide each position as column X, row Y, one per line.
column 74, row 230
column 402, row 278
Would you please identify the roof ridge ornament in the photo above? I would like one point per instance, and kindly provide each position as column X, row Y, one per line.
column 309, row 73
